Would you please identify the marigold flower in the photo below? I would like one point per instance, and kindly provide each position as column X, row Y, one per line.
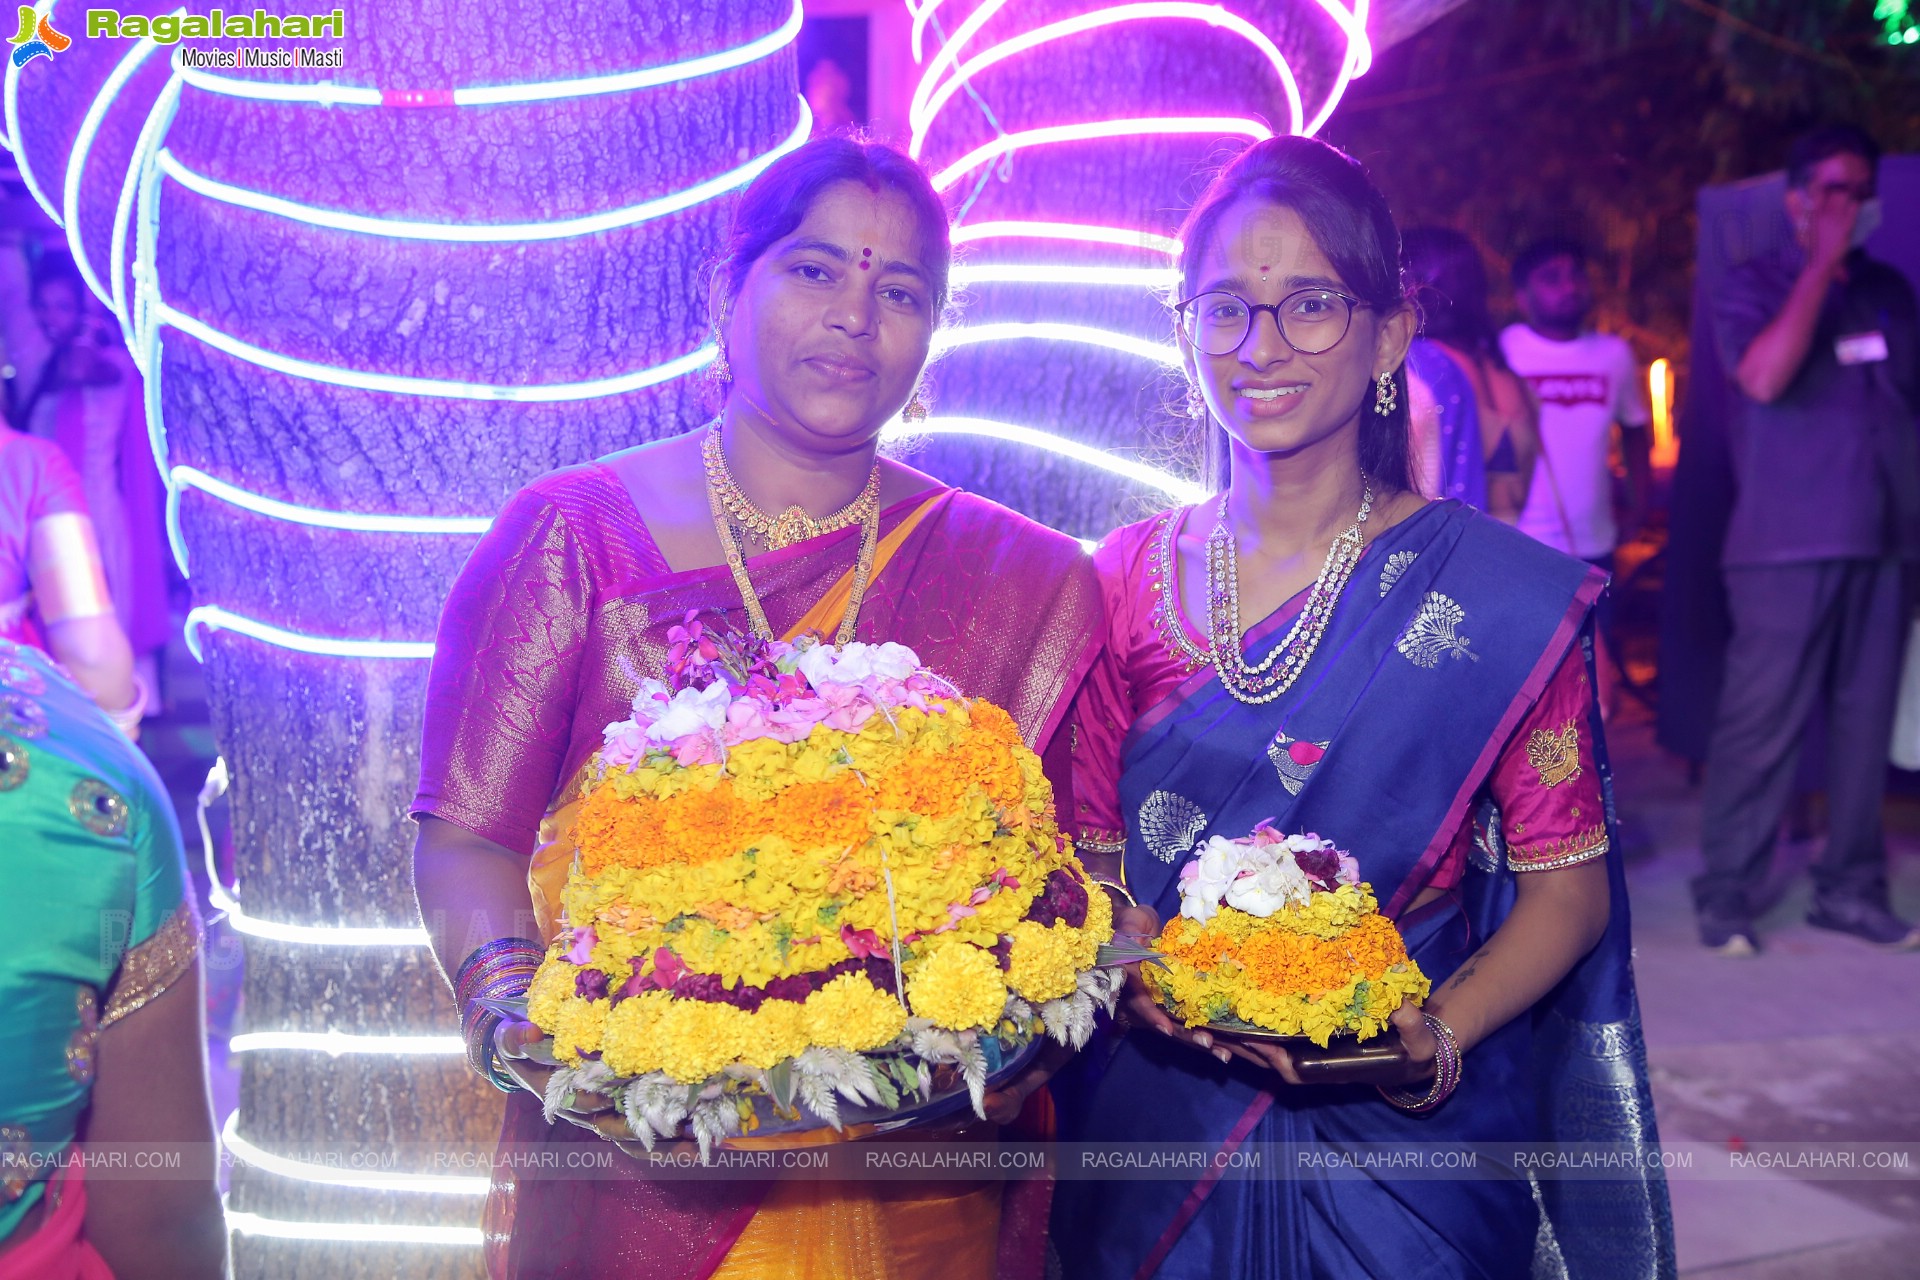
column 957, row 986
column 851, row 1013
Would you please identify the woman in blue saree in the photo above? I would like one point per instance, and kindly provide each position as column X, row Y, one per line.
column 1418, row 690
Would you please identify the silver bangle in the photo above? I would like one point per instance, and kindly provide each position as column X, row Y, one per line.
column 128, row 718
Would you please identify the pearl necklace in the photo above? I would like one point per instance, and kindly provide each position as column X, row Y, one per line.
column 865, row 509
column 1274, row 674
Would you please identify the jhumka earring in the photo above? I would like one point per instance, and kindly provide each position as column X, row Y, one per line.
column 720, row 373
column 916, row 410
column 1196, row 406
column 1386, row 397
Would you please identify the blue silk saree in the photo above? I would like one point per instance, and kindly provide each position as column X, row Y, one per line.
column 1447, row 633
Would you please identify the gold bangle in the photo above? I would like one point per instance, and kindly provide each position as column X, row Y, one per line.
column 1117, row 888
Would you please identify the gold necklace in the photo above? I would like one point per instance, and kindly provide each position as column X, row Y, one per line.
column 1263, row 683
column 869, row 517
column 790, row 526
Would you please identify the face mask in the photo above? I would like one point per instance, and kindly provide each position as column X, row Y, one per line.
column 1866, row 222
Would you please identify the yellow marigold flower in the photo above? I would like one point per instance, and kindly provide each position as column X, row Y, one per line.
column 957, row 986
column 629, row 1042
column 552, row 984
column 579, row 1028
column 779, row 1030
column 851, row 1013
column 697, row 1038
column 1042, row 965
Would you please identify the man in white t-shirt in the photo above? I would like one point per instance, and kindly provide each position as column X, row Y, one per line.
column 1586, row 384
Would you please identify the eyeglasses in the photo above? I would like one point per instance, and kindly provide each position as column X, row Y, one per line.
column 1311, row 321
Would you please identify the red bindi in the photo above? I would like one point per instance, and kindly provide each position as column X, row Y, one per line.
column 864, row 255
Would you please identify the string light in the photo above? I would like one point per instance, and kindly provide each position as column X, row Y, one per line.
column 363, row 380
column 159, row 117
column 1125, row 343
column 1093, row 130
column 484, row 232
column 928, row 98
column 252, row 1224
column 213, row 617
column 1179, row 489
column 338, row 1176
column 329, row 94
column 1123, row 236
column 194, row 478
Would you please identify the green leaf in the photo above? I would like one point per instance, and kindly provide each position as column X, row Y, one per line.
column 829, row 913
column 780, row 1084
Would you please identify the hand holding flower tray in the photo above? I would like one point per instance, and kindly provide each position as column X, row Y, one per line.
column 812, row 886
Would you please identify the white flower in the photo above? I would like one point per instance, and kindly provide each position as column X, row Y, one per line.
column 649, row 698
column 817, row 663
column 894, row 661
column 691, row 711
column 1280, row 883
column 1203, row 880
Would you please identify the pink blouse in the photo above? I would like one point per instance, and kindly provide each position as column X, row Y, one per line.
column 36, row 481
column 1544, row 780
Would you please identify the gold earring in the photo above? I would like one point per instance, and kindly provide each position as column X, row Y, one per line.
column 1386, row 397
column 916, row 410
column 720, row 373
column 1196, row 406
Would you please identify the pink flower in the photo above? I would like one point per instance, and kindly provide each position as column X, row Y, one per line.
column 667, row 967
column 582, row 947
column 862, row 942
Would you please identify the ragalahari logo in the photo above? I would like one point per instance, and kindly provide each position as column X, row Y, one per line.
column 37, row 37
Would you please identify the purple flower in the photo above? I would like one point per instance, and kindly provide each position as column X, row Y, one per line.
column 590, row 984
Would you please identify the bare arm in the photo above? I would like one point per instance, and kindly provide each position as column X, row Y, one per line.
column 151, row 1091
column 1772, row 360
column 1558, row 916
column 96, row 652
column 470, row 891
column 83, row 633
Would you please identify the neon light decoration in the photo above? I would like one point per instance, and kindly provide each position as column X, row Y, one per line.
column 1041, row 273
column 933, row 93
column 1164, row 353
column 194, row 478
column 340, row 1176
column 252, row 1224
column 487, row 233
column 213, row 617
column 1093, row 130
column 77, row 159
column 1175, row 487
column 335, row 1043
column 332, row 95
column 1122, row 236
column 397, row 384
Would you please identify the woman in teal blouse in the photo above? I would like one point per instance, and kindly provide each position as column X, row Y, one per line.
column 101, row 983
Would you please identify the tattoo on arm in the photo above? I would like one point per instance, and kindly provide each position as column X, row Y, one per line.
column 1465, row 971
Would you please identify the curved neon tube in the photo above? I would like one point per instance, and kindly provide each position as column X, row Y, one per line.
column 364, row 1179
column 1053, row 273
column 335, row 1043
column 1015, row 228
column 252, row 1224
column 483, row 232
column 546, row 393
column 214, row 617
column 929, row 98
column 159, row 119
column 77, row 158
column 273, row 508
column 11, row 94
column 949, row 55
column 1093, row 129
column 969, row 335
column 1180, row 490
column 1358, row 59
column 328, row 94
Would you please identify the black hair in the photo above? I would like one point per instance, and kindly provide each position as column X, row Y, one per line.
column 1825, row 142
column 1348, row 218
column 1449, row 283
column 777, row 201
column 56, row 267
column 1541, row 252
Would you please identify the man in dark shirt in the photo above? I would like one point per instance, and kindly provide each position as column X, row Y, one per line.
column 1825, row 349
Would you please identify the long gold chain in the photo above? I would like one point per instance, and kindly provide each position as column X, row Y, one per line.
column 869, row 517
column 790, row 526
column 1262, row 682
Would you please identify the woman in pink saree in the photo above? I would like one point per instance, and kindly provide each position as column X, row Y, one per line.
column 780, row 516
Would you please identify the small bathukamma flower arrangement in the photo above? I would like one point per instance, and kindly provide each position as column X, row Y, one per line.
column 811, row 879
column 1277, row 934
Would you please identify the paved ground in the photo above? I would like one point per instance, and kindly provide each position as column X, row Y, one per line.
column 1816, row 1040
